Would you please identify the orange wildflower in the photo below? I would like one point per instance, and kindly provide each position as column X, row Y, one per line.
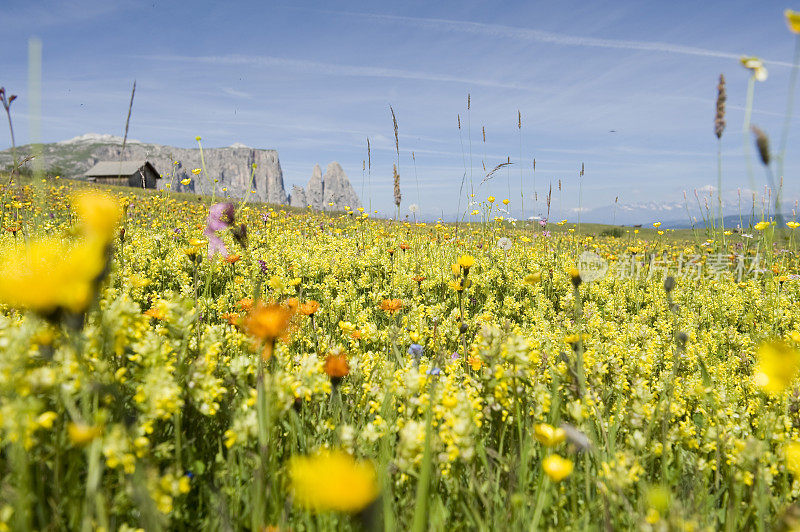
column 156, row 313
column 336, row 365
column 268, row 323
column 292, row 303
column 309, row 308
column 391, row 305
column 245, row 304
column 232, row 318
column 232, row 259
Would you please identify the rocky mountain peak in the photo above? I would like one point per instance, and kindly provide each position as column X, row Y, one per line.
column 332, row 191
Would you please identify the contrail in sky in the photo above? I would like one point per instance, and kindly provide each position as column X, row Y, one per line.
column 511, row 32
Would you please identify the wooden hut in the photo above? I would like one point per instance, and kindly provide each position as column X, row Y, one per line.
column 124, row 173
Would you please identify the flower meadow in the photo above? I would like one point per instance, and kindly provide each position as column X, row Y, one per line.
column 170, row 364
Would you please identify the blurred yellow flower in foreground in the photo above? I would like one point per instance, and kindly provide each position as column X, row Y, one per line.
column 50, row 274
column 81, row 434
column 792, row 453
column 557, row 468
column 777, row 367
column 792, row 20
column 46, row 419
column 98, row 212
column 332, row 480
column 792, row 225
column 548, row 435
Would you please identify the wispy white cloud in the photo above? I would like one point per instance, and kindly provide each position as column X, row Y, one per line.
column 517, row 33
column 64, row 12
column 237, row 94
column 316, row 67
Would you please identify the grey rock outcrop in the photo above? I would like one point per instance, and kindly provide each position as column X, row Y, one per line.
column 315, row 188
column 332, row 191
column 298, row 197
column 232, row 168
column 337, row 189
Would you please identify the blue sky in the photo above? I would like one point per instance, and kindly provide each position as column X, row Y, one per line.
column 314, row 80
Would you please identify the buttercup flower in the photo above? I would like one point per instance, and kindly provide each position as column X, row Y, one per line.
column 549, row 435
column 557, row 468
column 51, row 274
column 792, row 20
column 778, row 365
column 332, row 480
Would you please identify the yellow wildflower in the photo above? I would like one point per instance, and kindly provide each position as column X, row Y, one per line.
column 778, row 365
column 792, row 453
column 548, row 435
column 98, row 212
column 332, row 480
column 466, row 261
column 46, row 419
column 81, row 434
column 792, row 20
column 557, row 468
column 50, row 274
column 760, row 226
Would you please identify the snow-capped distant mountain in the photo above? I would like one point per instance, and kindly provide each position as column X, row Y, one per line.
column 97, row 138
column 635, row 213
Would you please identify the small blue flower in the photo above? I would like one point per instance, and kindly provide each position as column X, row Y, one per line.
column 433, row 371
column 415, row 350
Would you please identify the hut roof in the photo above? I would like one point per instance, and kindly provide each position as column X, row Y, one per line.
column 117, row 168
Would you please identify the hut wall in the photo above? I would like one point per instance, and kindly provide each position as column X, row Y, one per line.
column 135, row 180
column 119, row 181
column 150, row 177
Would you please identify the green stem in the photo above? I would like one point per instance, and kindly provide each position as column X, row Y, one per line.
column 719, row 190
column 748, row 110
column 787, row 118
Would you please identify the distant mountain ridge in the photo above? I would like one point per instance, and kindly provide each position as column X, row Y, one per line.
column 240, row 170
